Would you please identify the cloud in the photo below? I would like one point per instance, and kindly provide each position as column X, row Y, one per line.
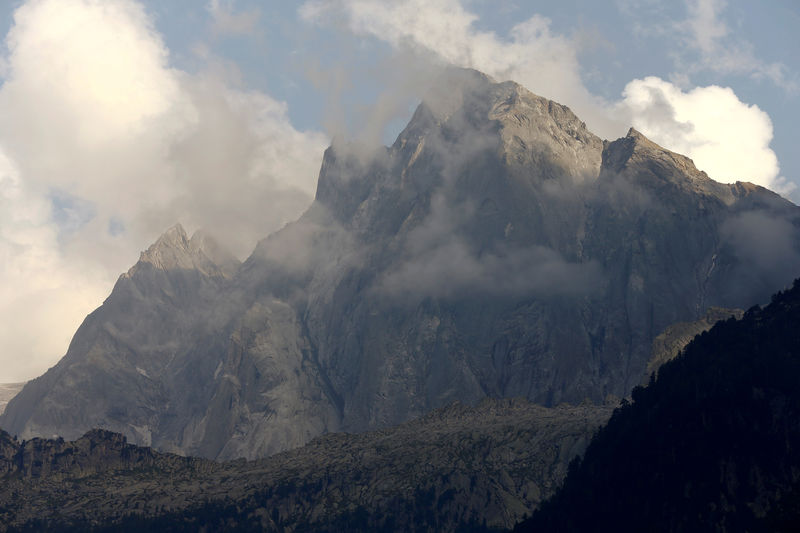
column 701, row 40
column 43, row 299
column 706, row 27
column 440, row 258
column 767, row 250
column 453, row 270
column 541, row 60
column 708, row 35
column 227, row 21
column 764, row 242
column 105, row 145
column 725, row 137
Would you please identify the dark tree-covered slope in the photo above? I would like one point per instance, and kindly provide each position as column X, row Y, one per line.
column 712, row 444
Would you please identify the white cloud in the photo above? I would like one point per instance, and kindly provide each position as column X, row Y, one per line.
column 42, row 298
column 726, row 137
column 104, row 146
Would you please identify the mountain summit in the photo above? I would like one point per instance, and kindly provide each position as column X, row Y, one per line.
column 174, row 250
column 497, row 248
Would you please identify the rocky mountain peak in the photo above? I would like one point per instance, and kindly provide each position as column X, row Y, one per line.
column 467, row 98
column 635, row 149
column 637, row 158
column 169, row 250
column 637, row 135
column 471, row 140
column 175, row 250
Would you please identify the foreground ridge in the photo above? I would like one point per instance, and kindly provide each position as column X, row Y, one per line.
column 482, row 467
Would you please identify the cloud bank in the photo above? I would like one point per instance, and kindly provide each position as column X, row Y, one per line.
column 531, row 54
column 104, row 145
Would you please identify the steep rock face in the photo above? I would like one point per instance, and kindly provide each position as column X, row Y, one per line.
column 497, row 248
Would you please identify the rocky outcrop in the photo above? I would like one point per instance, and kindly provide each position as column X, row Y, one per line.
column 98, row 452
column 484, row 466
column 496, row 249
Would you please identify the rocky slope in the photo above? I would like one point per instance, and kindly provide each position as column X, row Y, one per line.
column 496, row 249
column 481, row 467
column 712, row 444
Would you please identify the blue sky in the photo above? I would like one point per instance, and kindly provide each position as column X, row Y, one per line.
column 119, row 118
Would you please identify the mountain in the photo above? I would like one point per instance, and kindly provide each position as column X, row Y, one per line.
column 166, row 356
column 459, row 467
column 497, row 249
column 712, row 444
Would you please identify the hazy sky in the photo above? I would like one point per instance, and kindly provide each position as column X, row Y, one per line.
column 119, row 118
